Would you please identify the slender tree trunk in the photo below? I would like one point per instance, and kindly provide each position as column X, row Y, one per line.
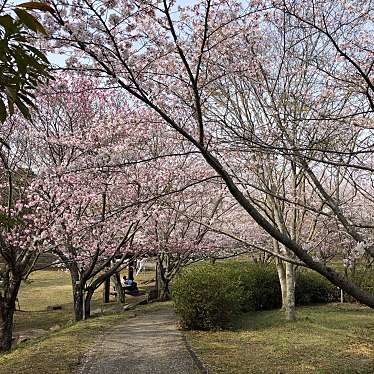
column 282, row 280
column 7, row 308
column 157, row 278
column 106, row 290
column 290, row 304
column 131, row 271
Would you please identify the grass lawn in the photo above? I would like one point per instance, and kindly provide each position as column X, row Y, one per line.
column 334, row 338
column 53, row 287
column 61, row 351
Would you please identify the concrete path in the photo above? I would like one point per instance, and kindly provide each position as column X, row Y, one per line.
column 145, row 344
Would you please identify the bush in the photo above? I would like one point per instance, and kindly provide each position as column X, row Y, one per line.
column 207, row 296
column 259, row 287
column 312, row 288
column 363, row 277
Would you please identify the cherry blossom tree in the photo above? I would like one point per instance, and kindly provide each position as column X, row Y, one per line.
column 179, row 232
column 172, row 59
column 94, row 210
column 101, row 175
column 23, row 223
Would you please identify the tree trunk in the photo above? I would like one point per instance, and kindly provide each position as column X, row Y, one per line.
column 6, row 331
column 106, row 290
column 162, row 283
column 7, row 308
column 78, row 297
column 290, row 303
column 119, row 289
column 87, row 303
column 282, row 280
column 164, row 293
column 131, row 271
column 78, row 303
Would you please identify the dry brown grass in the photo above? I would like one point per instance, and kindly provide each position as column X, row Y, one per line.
column 325, row 339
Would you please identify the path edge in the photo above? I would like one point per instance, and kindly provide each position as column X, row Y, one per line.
column 194, row 356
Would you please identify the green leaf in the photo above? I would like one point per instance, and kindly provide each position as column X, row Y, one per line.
column 10, row 106
column 38, row 53
column 6, row 21
column 36, row 6
column 30, row 21
column 2, row 111
column 23, row 108
column 26, row 99
column 11, row 92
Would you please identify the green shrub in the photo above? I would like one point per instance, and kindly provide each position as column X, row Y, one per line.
column 363, row 277
column 207, row 296
column 260, row 288
column 312, row 288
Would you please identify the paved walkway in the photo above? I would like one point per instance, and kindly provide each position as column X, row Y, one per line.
column 145, row 344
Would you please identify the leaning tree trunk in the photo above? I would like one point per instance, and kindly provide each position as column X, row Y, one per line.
column 7, row 308
column 87, row 302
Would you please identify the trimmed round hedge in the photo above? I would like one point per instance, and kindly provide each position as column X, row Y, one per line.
column 208, row 296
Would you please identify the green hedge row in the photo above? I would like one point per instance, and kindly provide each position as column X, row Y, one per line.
column 363, row 278
column 208, row 296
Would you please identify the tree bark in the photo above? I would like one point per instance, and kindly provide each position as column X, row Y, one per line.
column 131, row 271
column 282, row 280
column 87, row 303
column 119, row 289
column 78, row 297
column 106, row 290
column 164, row 293
column 290, row 302
column 7, row 308
column 78, row 303
column 162, row 283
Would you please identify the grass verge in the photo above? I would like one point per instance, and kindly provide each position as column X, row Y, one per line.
column 335, row 338
column 62, row 351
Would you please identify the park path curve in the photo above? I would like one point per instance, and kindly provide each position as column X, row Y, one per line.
column 149, row 343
